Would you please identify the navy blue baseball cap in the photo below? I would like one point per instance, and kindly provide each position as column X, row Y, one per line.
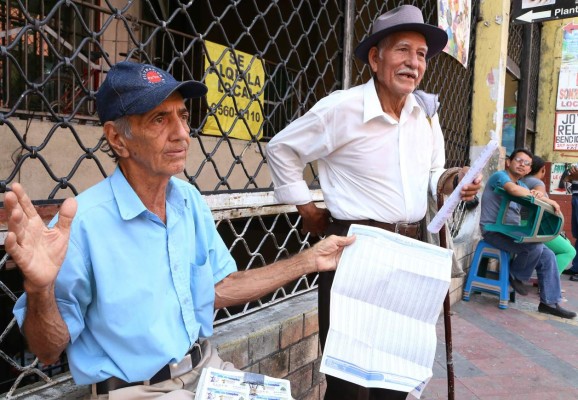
column 133, row 88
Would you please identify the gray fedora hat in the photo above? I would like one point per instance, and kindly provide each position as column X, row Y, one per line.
column 403, row 18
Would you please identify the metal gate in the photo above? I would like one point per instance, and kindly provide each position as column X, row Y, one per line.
column 266, row 62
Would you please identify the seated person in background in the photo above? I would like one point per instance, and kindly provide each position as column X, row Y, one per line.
column 572, row 176
column 128, row 278
column 560, row 245
column 529, row 256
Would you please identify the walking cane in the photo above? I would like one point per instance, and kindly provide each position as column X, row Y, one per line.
column 450, row 173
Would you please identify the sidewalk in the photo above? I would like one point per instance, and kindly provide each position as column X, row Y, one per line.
column 515, row 353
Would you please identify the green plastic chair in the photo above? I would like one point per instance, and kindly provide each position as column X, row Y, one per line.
column 539, row 221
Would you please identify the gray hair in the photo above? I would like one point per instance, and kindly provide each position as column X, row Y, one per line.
column 381, row 45
column 122, row 125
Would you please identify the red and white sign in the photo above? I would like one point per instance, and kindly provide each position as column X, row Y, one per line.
column 567, row 97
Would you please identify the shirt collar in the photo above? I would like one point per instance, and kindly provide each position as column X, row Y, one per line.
column 372, row 106
column 128, row 202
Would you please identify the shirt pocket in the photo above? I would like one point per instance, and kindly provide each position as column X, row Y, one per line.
column 422, row 151
column 203, row 292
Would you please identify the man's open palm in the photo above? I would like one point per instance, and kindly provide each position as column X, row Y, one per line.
column 37, row 250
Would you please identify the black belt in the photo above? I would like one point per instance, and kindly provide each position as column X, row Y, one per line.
column 409, row 229
column 169, row 371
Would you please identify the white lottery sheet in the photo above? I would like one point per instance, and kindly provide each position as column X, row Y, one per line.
column 385, row 301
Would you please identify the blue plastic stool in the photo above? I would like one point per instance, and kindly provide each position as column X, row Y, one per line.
column 477, row 282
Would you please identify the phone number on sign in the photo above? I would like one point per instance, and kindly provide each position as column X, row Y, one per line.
column 562, row 146
column 229, row 111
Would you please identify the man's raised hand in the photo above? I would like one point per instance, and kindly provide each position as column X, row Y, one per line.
column 37, row 250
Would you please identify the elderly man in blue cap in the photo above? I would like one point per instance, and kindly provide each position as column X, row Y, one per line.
column 379, row 148
column 128, row 277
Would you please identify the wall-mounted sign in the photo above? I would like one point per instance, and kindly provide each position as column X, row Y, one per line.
column 556, row 172
column 454, row 17
column 235, row 80
column 567, row 97
column 529, row 11
column 566, row 135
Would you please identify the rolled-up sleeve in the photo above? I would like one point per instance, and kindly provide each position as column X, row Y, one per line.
column 303, row 141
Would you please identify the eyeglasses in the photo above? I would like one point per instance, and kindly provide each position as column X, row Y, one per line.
column 523, row 162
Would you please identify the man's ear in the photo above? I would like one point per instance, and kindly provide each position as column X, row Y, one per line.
column 116, row 140
column 373, row 58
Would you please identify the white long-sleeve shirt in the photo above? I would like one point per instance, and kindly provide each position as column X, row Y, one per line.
column 370, row 165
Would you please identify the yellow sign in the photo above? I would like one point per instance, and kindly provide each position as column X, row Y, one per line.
column 235, row 94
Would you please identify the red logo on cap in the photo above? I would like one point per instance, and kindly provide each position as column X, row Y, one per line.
column 153, row 76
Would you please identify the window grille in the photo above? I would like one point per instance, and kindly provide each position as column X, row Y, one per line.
column 55, row 53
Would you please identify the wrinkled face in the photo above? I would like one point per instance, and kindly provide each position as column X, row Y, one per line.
column 399, row 62
column 520, row 165
column 159, row 139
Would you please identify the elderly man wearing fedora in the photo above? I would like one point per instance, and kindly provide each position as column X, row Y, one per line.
column 379, row 149
column 128, row 278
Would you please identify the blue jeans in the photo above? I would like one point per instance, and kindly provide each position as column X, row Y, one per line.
column 530, row 256
column 574, row 267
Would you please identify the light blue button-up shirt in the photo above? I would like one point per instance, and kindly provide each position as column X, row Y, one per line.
column 136, row 293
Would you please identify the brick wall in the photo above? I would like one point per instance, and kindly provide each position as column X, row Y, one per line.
column 281, row 341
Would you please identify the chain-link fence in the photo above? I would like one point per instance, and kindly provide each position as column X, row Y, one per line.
column 266, row 63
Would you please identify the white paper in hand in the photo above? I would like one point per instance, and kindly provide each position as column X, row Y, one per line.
column 453, row 200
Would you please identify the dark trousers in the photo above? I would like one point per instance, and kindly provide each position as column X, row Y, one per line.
column 338, row 389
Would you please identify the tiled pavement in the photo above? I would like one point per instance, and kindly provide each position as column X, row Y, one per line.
column 515, row 353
